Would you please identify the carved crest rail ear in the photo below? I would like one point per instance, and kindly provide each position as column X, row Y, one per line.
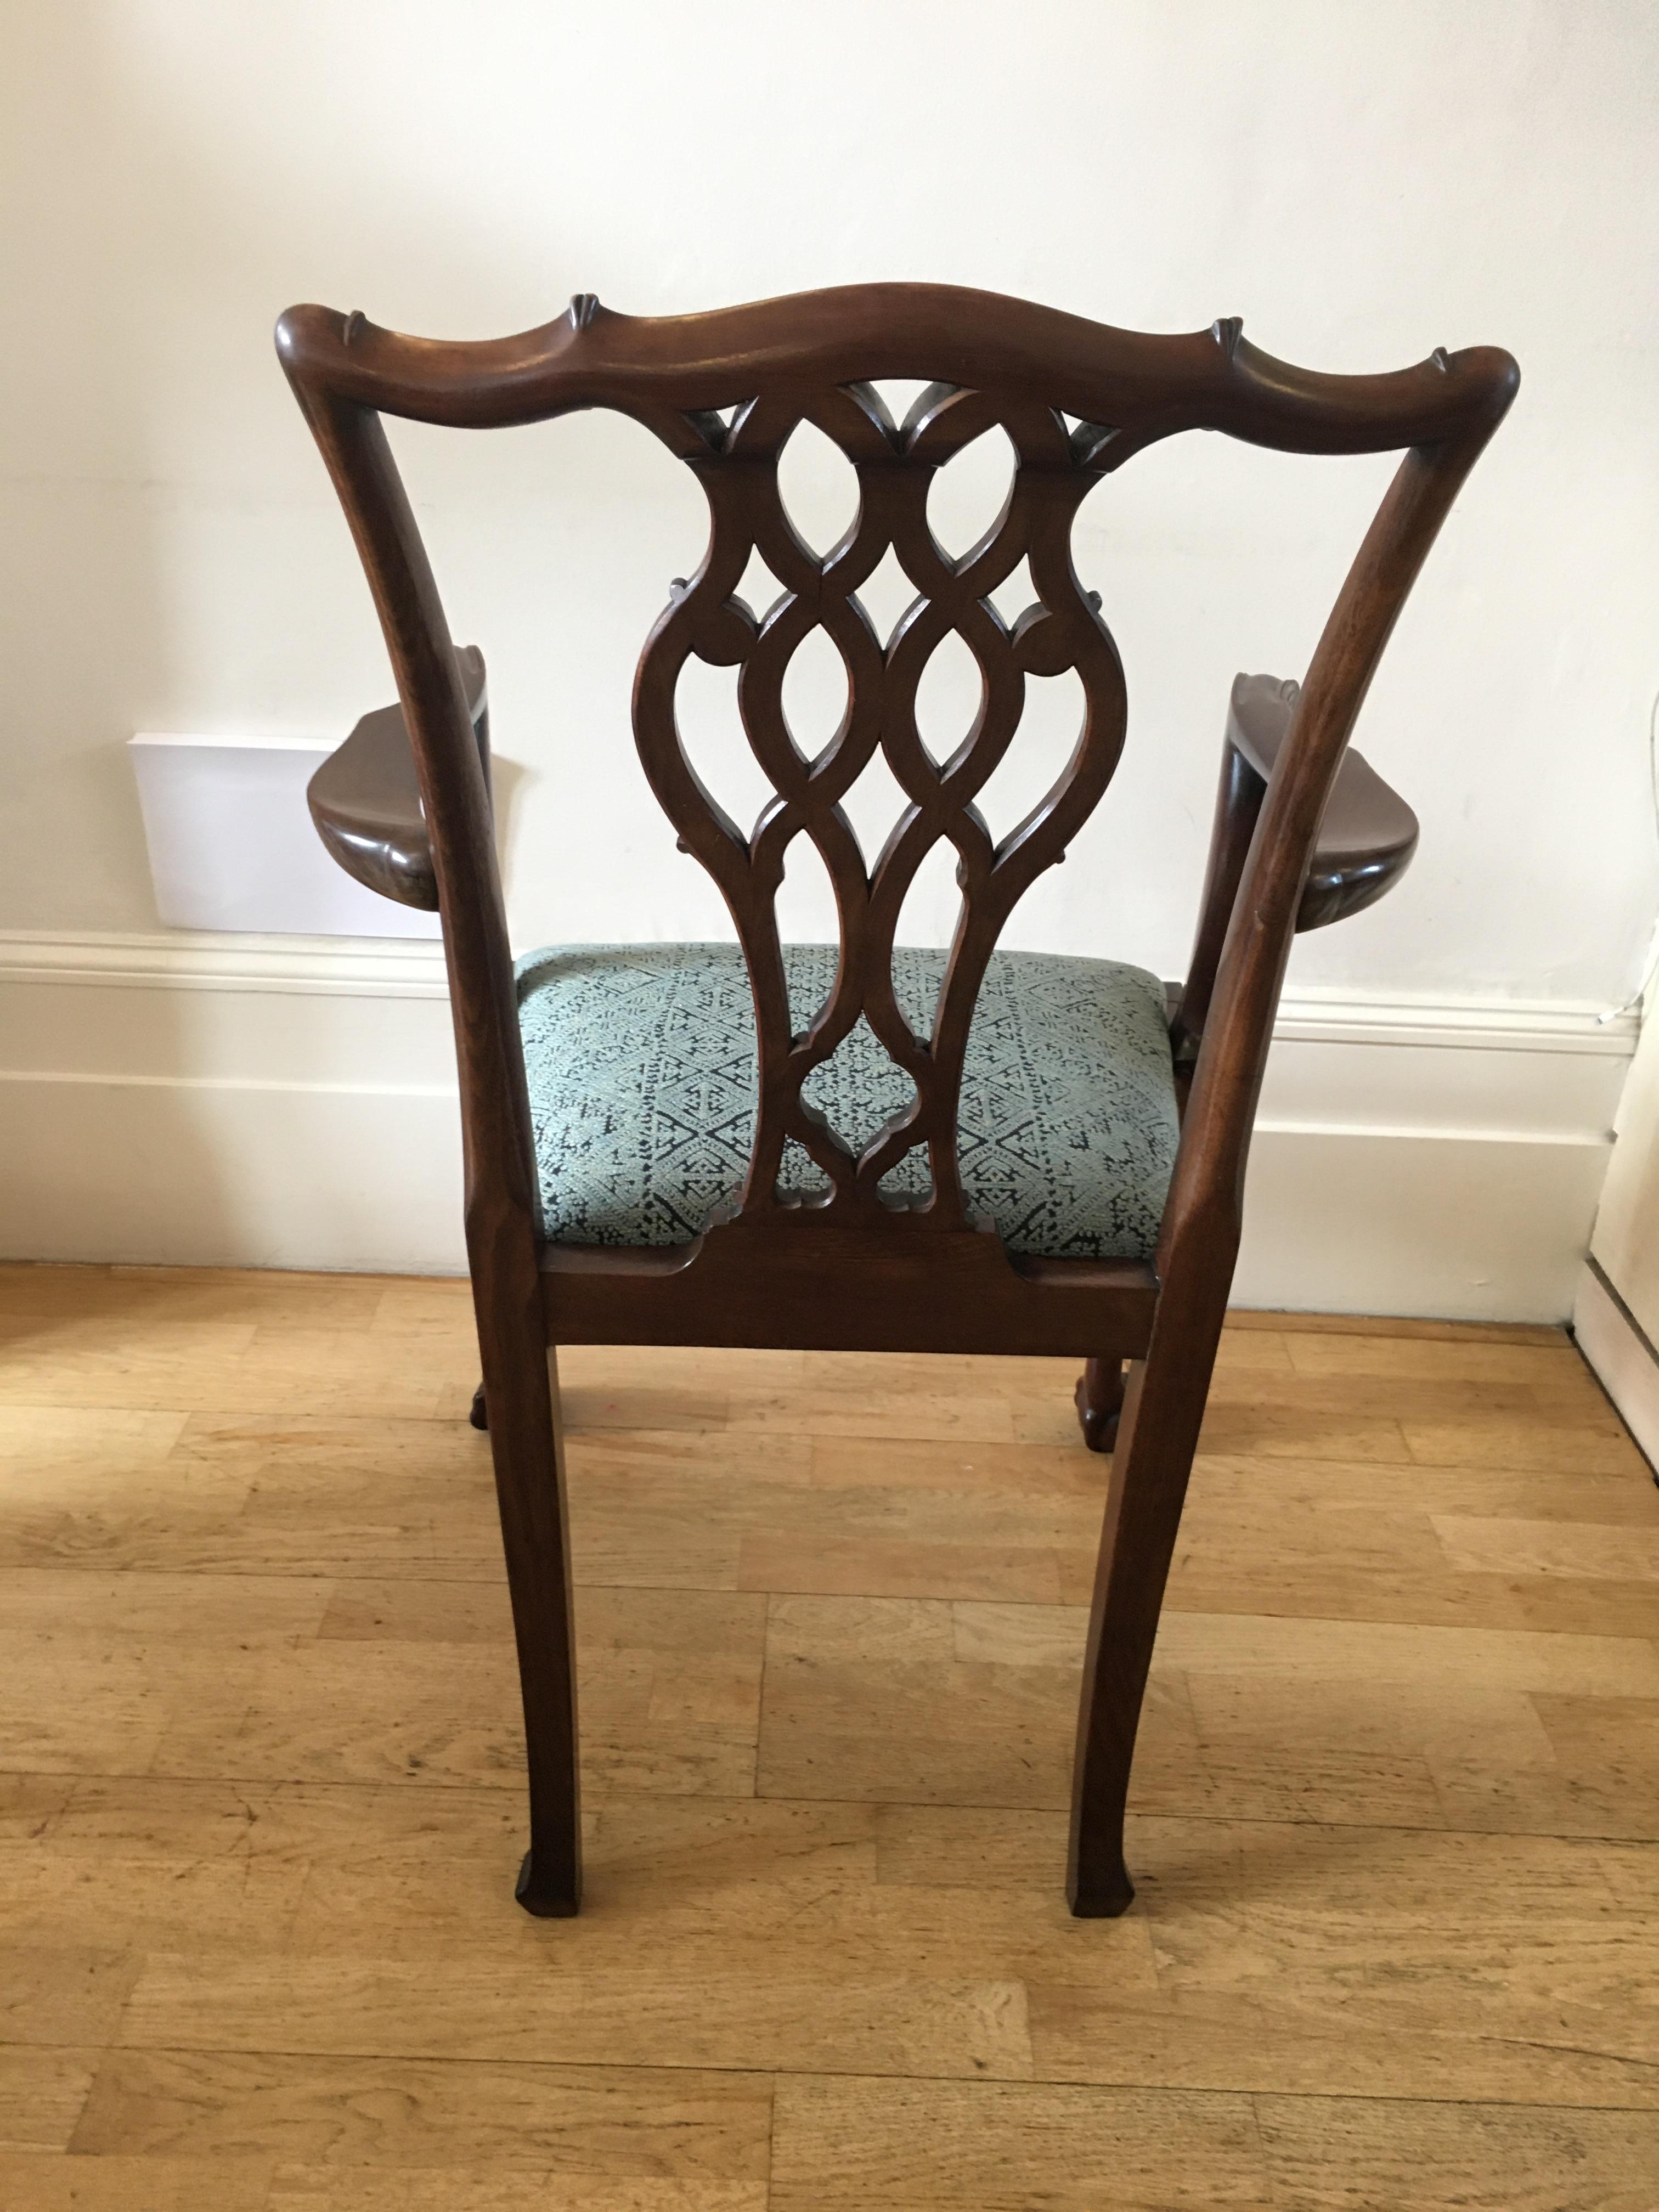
column 851, row 1269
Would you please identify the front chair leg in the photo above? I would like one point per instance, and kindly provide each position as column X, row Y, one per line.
column 1163, row 1411
column 527, row 1447
column 1099, row 1401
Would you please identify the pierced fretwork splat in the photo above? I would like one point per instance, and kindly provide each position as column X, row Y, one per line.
column 737, row 461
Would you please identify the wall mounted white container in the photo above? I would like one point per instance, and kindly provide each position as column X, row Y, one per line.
column 232, row 845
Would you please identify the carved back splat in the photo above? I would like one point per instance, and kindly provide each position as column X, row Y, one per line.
column 896, row 465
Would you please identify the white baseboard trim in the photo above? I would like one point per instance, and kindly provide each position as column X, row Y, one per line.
column 392, row 966
column 1623, row 1358
column 206, row 960
column 290, row 1102
column 232, row 1175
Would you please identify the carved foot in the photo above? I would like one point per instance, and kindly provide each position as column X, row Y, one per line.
column 1103, row 1896
column 1099, row 1429
column 479, row 1415
column 547, row 1902
column 1099, row 1400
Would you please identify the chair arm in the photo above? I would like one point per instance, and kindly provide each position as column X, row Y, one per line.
column 366, row 801
column 1366, row 839
column 1368, row 834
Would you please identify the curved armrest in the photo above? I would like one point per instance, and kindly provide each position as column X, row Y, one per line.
column 365, row 802
column 1368, row 834
column 1366, row 839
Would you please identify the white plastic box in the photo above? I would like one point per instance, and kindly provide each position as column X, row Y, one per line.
column 232, row 844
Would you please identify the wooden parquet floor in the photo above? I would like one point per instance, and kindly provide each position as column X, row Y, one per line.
column 1396, row 1826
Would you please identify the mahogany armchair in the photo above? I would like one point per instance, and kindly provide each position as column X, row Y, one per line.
column 600, row 1208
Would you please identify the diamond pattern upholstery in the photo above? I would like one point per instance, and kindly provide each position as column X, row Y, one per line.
column 642, row 1069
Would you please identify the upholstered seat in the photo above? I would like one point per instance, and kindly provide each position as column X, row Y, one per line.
column 642, row 1065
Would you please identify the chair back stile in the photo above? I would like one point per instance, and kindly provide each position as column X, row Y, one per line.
column 502, row 1205
column 1204, row 1212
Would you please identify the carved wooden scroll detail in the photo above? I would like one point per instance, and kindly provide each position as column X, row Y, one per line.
column 737, row 466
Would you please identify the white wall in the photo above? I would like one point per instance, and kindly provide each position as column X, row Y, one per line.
column 1361, row 183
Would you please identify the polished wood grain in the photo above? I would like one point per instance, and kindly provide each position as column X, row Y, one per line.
column 1367, row 838
column 366, row 801
column 1367, row 834
column 1303, row 836
column 1397, row 1799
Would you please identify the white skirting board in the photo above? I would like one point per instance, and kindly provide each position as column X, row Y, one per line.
column 290, row 1102
column 1623, row 1358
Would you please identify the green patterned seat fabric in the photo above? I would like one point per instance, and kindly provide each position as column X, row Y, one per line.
column 642, row 1066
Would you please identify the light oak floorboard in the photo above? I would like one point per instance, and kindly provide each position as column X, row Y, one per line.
column 1395, row 1824
column 1457, row 2157
column 354, row 2115
column 43, row 2092
column 926, row 2145
column 31, row 2183
column 448, row 2189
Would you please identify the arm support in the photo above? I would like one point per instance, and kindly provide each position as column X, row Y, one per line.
column 366, row 803
column 1367, row 836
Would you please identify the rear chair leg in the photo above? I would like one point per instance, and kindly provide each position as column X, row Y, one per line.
column 1099, row 1399
column 1163, row 1411
column 528, row 1449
